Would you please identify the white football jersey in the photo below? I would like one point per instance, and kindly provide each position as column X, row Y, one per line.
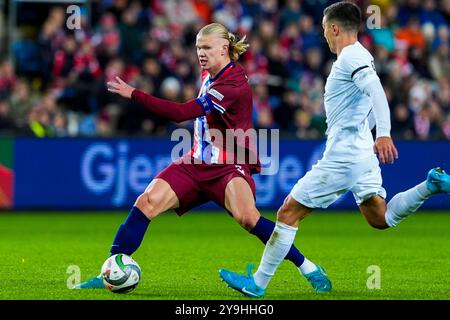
column 347, row 107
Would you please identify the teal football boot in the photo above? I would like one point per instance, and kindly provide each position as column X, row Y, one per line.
column 438, row 181
column 92, row 283
column 319, row 280
column 241, row 283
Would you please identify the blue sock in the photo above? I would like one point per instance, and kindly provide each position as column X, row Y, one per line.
column 131, row 233
column 263, row 230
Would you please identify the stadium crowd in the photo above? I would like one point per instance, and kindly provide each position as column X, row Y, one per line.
column 53, row 84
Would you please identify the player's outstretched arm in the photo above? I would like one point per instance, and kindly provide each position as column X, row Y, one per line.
column 174, row 111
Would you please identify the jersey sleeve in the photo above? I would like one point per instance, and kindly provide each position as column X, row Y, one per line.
column 362, row 73
column 173, row 111
column 360, row 70
column 219, row 98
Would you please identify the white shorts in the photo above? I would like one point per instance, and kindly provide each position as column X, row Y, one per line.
column 328, row 180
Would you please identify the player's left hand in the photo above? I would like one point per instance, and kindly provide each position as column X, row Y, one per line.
column 120, row 87
column 386, row 150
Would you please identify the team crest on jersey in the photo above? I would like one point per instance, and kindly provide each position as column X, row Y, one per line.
column 216, row 94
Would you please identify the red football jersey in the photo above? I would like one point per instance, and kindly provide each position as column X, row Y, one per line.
column 226, row 134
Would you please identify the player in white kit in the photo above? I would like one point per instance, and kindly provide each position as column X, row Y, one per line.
column 354, row 101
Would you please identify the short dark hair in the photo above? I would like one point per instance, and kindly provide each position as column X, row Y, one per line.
column 346, row 13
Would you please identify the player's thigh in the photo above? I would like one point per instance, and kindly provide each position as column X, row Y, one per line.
column 183, row 179
column 292, row 212
column 240, row 202
column 369, row 193
column 323, row 184
column 369, row 182
column 158, row 197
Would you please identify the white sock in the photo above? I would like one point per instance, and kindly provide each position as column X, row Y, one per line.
column 275, row 251
column 307, row 267
column 405, row 203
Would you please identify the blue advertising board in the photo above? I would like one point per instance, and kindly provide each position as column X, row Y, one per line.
column 111, row 173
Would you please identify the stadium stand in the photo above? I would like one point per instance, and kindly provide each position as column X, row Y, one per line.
column 52, row 82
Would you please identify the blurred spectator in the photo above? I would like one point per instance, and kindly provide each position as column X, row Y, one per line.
column 384, row 36
column 180, row 13
column 439, row 63
column 263, row 117
column 309, row 34
column 7, row 124
column 308, row 126
column 443, row 93
column 446, row 127
column 391, row 15
column 426, row 122
column 290, row 38
column 203, row 10
column 410, row 9
column 382, row 62
column 254, row 60
column 21, row 100
column 63, row 62
column 277, row 72
column 231, row 14
column 442, row 37
column 445, row 6
column 40, row 122
column 418, row 96
column 430, row 14
column 130, row 35
column 60, row 124
column 284, row 114
column 314, row 61
column 419, row 62
column 170, row 89
column 411, row 34
column 86, row 66
column 107, row 38
column 291, row 13
column 7, row 78
column 106, row 121
column 422, row 124
column 402, row 122
column 315, row 9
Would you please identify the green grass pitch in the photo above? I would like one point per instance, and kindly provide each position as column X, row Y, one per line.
column 180, row 257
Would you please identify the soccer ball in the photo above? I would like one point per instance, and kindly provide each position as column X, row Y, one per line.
column 120, row 273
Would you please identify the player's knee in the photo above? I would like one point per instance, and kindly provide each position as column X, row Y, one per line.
column 289, row 214
column 248, row 218
column 248, row 223
column 286, row 216
column 146, row 203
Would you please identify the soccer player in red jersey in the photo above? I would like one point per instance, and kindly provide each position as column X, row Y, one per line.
column 210, row 171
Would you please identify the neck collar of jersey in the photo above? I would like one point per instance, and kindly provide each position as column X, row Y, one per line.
column 223, row 71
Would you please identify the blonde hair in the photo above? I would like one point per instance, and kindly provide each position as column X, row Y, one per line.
column 236, row 46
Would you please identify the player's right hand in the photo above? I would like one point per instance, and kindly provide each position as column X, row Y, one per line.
column 386, row 150
column 120, row 87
